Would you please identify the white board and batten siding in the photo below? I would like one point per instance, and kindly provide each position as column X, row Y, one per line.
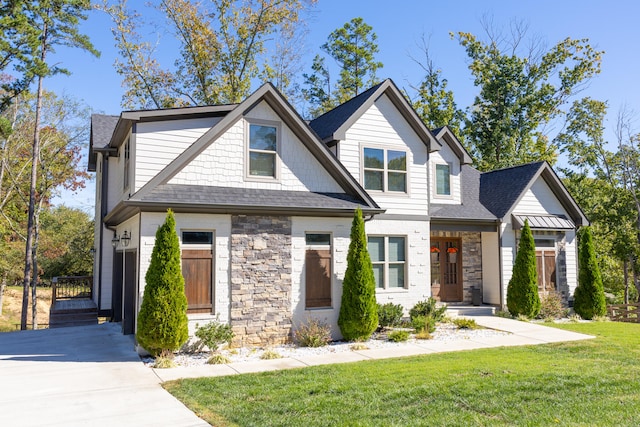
column 223, row 162
column 445, row 156
column 158, row 143
column 339, row 229
column 382, row 126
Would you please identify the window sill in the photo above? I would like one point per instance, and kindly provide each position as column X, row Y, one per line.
column 392, row 290
column 317, row 308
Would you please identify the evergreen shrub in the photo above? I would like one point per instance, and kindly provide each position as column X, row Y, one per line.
column 358, row 317
column 589, row 300
column 162, row 321
column 390, row 314
column 522, row 291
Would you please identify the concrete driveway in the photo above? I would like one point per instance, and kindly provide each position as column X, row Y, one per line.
column 82, row 376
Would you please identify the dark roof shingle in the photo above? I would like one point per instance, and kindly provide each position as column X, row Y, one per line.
column 471, row 207
column 500, row 189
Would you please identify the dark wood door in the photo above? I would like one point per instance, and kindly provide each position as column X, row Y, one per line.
column 318, row 278
column 446, row 269
column 546, row 266
column 197, row 269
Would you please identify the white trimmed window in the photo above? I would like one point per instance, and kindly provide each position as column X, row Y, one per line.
column 385, row 170
column 388, row 256
column 443, row 180
column 263, row 151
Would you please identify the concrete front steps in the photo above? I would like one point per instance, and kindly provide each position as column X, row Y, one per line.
column 65, row 313
column 463, row 310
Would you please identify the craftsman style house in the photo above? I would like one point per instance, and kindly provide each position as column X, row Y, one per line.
column 264, row 203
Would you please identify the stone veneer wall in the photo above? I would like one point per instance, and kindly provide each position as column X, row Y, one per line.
column 471, row 259
column 261, row 279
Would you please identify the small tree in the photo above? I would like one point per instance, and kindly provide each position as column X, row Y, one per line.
column 589, row 300
column 522, row 292
column 358, row 310
column 162, row 322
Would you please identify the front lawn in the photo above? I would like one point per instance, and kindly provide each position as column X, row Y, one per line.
column 585, row 383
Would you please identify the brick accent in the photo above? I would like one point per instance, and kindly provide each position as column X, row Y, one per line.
column 261, row 279
column 471, row 259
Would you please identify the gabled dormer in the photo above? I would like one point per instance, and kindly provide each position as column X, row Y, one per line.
column 446, row 167
column 382, row 142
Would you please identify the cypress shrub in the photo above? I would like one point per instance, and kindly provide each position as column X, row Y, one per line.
column 589, row 300
column 162, row 321
column 522, row 291
column 358, row 310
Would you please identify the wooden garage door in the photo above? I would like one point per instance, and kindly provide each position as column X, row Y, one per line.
column 198, row 279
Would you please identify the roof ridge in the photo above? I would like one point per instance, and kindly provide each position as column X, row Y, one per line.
column 514, row 166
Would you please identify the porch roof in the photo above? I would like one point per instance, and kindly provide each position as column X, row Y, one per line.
column 543, row 222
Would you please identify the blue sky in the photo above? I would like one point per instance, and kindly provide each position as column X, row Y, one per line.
column 610, row 26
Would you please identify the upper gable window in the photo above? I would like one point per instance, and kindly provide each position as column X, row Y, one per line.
column 443, row 180
column 385, row 170
column 263, row 150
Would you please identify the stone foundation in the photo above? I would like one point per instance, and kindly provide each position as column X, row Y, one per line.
column 261, row 279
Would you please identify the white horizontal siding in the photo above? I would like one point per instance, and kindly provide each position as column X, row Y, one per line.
column 158, row 143
column 571, row 255
column 540, row 200
column 223, row 162
column 445, row 156
column 490, row 268
column 382, row 126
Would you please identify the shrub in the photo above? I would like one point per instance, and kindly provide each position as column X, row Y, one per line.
column 503, row 313
column 162, row 321
column 551, row 307
column 218, row 359
column 523, row 318
column 589, row 298
column 398, row 336
column 424, row 323
column 423, row 335
column 213, row 334
column 522, row 291
column 358, row 310
column 575, row 318
column 313, row 333
column 358, row 346
column 164, row 360
column 465, row 323
column 270, row 354
column 390, row 314
column 428, row 308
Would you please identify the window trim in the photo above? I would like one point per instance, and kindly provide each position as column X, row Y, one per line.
column 248, row 150
column 385, row 171
column 387, row 262
column 435, row 181
column 308, row 246
column 202, row 246
column 126, row 164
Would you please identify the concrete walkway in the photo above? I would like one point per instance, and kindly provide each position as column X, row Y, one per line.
column 521, row 333
column 82, row 376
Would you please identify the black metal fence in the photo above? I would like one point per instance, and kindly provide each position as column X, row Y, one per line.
column 71, row 287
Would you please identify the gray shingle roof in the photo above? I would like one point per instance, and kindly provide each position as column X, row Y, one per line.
column 102, row 127
column 471, row 207
column 236, row 198
column 500, row 189
column 327, row 123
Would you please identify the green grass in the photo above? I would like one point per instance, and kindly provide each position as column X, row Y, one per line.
column 585, row 383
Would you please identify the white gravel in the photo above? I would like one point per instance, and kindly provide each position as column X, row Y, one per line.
column 445, row 332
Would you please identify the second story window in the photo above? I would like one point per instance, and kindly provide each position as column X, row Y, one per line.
column 385, row 170
column 126, row 155
column 443, row 180
column 263, row 146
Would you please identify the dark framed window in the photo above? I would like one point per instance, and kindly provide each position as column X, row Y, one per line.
column 443, row 180
column 385, row 170
column 263, row 148
column 388, row 256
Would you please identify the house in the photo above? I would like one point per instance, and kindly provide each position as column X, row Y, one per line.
column 264, row 201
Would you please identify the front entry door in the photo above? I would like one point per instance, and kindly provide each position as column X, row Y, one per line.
column 446, row 269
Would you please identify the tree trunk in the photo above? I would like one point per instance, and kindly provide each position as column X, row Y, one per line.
column 34, row 276
column 3, row 286
column 35, row 155
column 626, row 281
